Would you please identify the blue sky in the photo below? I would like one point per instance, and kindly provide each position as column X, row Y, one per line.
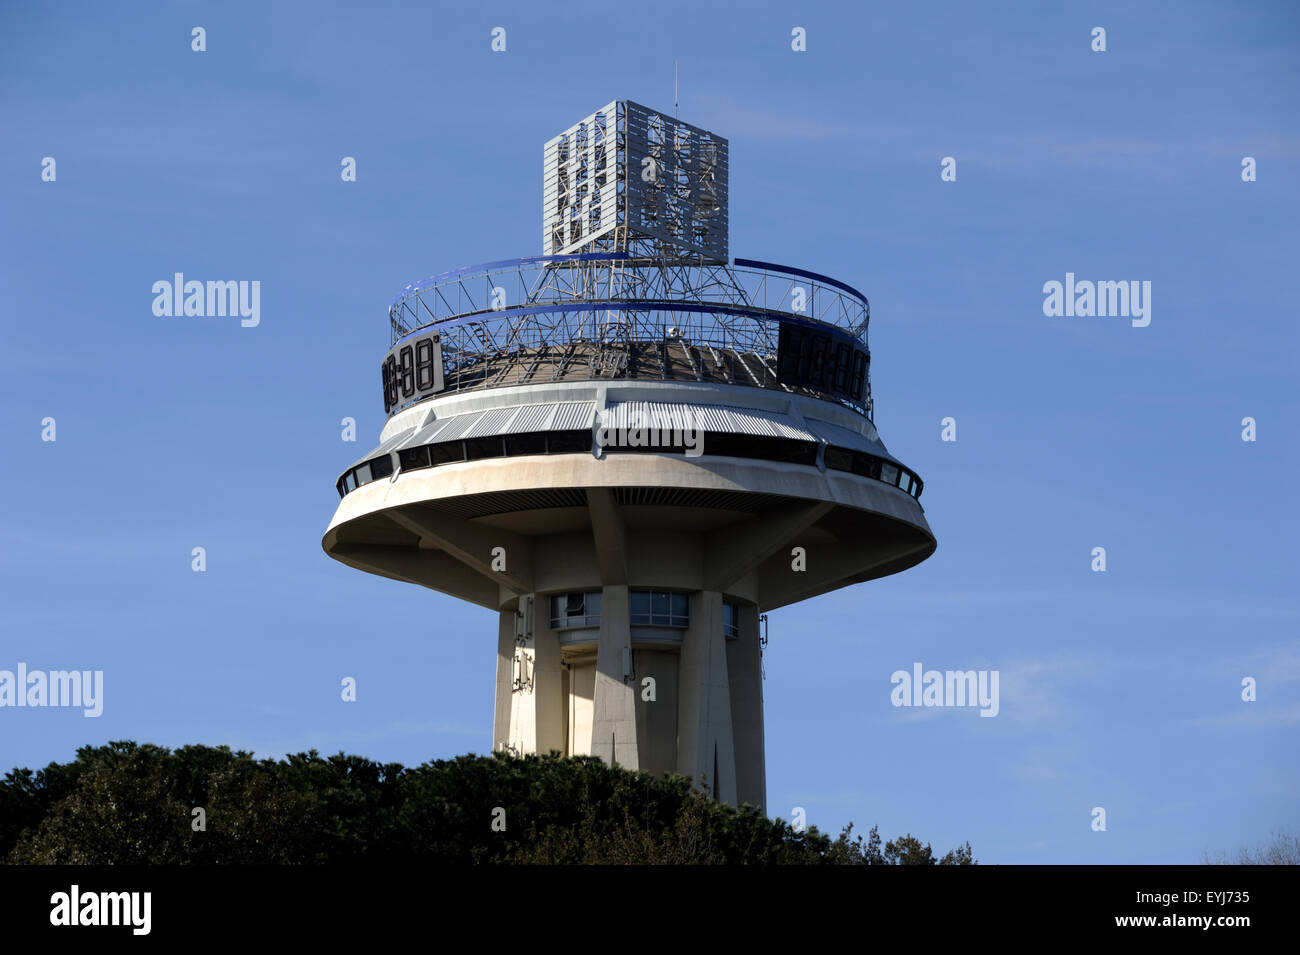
column 1118, row 689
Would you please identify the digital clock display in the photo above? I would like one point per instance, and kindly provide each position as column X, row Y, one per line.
column 412, row 370
column 811, row 358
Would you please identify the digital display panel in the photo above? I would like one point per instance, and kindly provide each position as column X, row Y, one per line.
column 816, row 359
column 412, row 370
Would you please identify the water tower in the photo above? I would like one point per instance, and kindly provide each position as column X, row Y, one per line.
column 631, row 447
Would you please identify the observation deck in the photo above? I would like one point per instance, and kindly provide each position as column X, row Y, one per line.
column 615, row 315
column 526, row 360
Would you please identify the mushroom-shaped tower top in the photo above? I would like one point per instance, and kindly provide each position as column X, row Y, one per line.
column 629, row 447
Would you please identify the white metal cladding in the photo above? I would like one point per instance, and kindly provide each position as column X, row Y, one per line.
column 386, row 446
column 457, row 425
column 710, row 418
column 581, row 172
column 425, row 435
column 515, row 419
column 494, row 421
column 846, row 438
column 573, row 415
column 626, row 165
column 684, row 201
column 532, row 418
column 759, row 422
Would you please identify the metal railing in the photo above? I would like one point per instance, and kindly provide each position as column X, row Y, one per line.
column 624, row 315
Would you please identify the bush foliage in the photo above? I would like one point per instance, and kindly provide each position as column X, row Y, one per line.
column 134, row 804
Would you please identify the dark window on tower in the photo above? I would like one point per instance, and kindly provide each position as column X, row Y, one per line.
column 867, row 465
column 414, row 458
column 838, row 459
column 760, row 446
column 534, row 443
column 730, row 620
column 659, row 605
column 568, row 442
column 381, row 467
column 447, row 452
column 659, row 608
column 581, row 609
column 639, row 606
column 476, row 448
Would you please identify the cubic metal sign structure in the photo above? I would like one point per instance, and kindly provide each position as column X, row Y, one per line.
column 627, row 171
column 629, row 448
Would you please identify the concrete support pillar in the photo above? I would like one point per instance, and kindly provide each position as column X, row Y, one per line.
column 656, row 709
column 505, row 674
column 704, row 739
column 705, row 720
column 613, row 731
column 523, row 684
column 745, row 677
column 530, row 693
column 548, row 681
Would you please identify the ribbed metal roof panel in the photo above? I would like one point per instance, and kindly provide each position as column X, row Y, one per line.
column 649, row 414
column 755, row 421
column 493, row 422
column 724, row 419
column 384, row 448
column 515, row 419
column 457, row 425
column 573, row 415
column 426, row 435
column 532, row 418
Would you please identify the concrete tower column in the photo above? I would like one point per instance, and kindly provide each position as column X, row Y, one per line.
column 704, row 741
column 506, row 628
column 613, row 732
column 745, row 674
column 529, row 688
column 548, row 680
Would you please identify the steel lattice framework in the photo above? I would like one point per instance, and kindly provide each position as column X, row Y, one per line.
column 635, row 284
column 623, row 315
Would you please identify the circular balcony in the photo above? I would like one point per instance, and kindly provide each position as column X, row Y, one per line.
column 619, row 316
